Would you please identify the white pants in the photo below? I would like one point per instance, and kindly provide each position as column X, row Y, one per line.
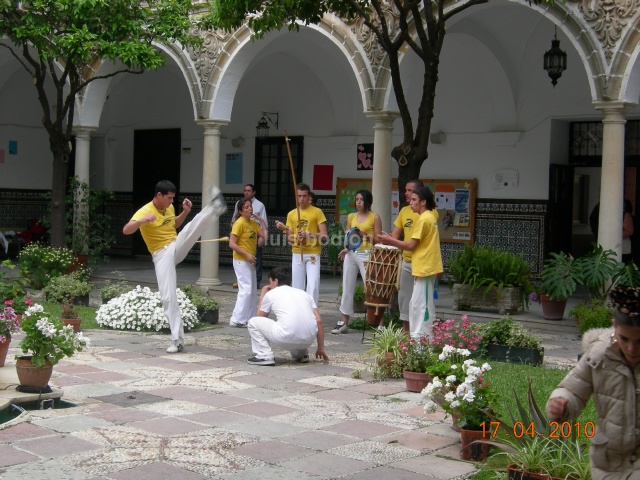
column 246, row 303
column 353, row 263
column 406, row 288
column 308, row 269
column 422, row 308
column 266, row 334
column 166, row 259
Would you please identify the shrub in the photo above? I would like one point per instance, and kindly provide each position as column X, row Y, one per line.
column 40, row 263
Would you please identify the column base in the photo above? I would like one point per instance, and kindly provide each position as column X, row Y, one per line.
column 208, row 282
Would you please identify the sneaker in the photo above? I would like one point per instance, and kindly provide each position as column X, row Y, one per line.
column 175, row 347
column 217, row 201
column 239, row 325
column 261, row 361
column 303, row 359
column 340, row 328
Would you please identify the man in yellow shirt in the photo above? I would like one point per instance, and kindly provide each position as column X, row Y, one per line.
column 305, row 236
column 157, row 222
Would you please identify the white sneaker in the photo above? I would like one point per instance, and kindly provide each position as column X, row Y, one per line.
column 217, row 201
column 175, row 347
column 340, row 328
column 239, row 325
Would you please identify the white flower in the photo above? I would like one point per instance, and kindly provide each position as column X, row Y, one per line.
column 469, row 397
column 464, row 352
column 430, row 406
column 450, row 396
column 454, row 367
column 486, row 367
column 455, row 404
column 451, row 379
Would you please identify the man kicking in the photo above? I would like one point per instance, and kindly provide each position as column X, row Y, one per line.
column 298, row 321
column 157, row 222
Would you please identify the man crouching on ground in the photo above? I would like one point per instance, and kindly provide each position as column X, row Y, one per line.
column 298, row 321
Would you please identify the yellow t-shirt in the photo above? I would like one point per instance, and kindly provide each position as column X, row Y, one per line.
column 366, row 227
column 162, row 231
column 247, row 233
column 405, row 220
column 426, row 259
column 310, row 220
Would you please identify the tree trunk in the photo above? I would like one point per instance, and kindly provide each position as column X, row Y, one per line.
column 58, row 193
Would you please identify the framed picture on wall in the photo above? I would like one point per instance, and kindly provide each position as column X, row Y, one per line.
column 365, row 156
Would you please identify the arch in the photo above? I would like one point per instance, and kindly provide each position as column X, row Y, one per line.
column 222, row 78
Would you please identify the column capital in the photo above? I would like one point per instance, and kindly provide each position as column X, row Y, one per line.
column 382, row 118
column 613, row 108
column 212, row 125
column 83, row 130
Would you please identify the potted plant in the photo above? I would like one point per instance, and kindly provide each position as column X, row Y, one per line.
column 462, row 392
column 418, row 356
column 141, row 310
column 40, row 263
column 46, row 341
column 508, row 341
column 385, row 349
column 112, row 289
column 598, row 272
column 69, row 315
column 8, row 326
column 592, row 314
column 19, row 305
column 532, row 451
column 11, row 286
column 485, row 277
column 460, row 334
column 73, row 285
column 208, row 307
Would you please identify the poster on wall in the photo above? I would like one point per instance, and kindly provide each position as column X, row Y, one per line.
column 13, row 147
column 365, row 156
column 323, row 177
column 233, row 168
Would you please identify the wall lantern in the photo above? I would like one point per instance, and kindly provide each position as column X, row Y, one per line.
column 262, row 129
column 555, row 60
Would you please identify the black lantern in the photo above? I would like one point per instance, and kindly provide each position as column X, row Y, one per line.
column 555, row 60
column 262, row 129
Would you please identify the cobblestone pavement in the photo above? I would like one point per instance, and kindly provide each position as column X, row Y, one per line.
column 206, row 413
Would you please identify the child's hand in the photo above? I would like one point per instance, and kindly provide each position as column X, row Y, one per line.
column 556, row 408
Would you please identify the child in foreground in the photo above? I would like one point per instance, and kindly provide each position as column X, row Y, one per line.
column 609, row 370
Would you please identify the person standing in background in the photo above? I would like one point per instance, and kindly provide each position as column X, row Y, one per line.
column 243, row 241
column 305, row 235
column 403, row 226
column 260, row 211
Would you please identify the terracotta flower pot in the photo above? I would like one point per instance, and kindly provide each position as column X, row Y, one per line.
column 552, row 309
column 4, row 348
column 416, row 381
column 31, row 376
column 469, row 449
column 74, row 322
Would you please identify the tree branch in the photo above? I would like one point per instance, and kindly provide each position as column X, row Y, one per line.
column 17, row 57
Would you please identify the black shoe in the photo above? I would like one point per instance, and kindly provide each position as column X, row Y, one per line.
column 260, row 361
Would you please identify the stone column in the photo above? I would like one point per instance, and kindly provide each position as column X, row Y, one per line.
column 81, row 213
column 83, row 143
column 612, row 179
column 209, row 252
column 381, row 182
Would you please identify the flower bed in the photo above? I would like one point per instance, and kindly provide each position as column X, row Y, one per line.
column 141, row 310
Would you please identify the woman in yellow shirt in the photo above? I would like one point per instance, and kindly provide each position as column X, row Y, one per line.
column 244, row 243
column 426, row 260
column 369, row 226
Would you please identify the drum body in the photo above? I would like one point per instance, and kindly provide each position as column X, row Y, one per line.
column 382, row 280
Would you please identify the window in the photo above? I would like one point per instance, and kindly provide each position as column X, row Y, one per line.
column 274, row 186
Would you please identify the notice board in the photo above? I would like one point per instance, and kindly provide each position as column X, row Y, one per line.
column 455, row 203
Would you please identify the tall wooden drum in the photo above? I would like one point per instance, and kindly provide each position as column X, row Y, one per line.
column 382, row 280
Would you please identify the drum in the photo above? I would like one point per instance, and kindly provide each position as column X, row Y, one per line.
column 382, row 280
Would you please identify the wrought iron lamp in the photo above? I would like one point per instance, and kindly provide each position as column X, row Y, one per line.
column 262, row 129
column 555, row 60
